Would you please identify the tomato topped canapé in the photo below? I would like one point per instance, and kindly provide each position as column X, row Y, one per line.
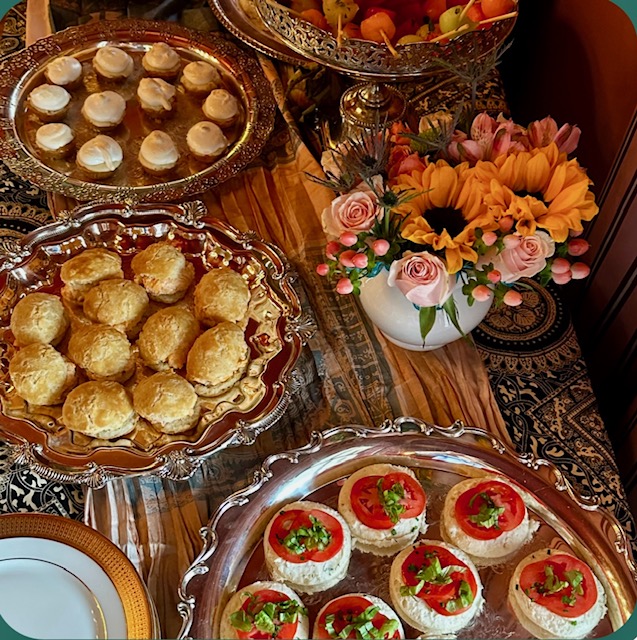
column 561, row 583
column 439, row 578
column 298, row 535
column 380, row 502
column 267, row 614
column 353, row 616
column 489, row 509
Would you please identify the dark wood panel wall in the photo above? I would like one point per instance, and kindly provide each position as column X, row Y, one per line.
column 577, row 61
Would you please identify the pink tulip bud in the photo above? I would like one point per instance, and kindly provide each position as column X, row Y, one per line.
column 344, row 286
column 512, row 298
column 347, row 258
column 380, row 247
column 580, row 270
column 494, row 276
column 332, row 249
column 506, row 223
column 482, row 293
column 489, row 238
column 322, row 269
column 575, row 233
column 578, row 247
column 360, row 260
column 348, row 239
column 560, row 265
column 512, row 241
column 562, row 278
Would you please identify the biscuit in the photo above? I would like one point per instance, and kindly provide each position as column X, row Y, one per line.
column 39, row 317
column 83, row 271
column 221, row 295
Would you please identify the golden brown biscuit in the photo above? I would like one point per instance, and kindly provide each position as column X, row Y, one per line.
column 119, row 303
column 218, row 359
column 222, row 294
column 166, row 338
column 41, row 374
column 99, row 410
column 86, row 269
column 163, row 271
column 167, row 401
column 39, row 317
column 103, row 352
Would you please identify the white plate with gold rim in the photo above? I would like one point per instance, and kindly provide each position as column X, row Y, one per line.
column 61, row 579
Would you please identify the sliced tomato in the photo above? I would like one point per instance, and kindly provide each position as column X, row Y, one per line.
column 438, row 595
column 368, row 508
column 502, row 495
column 345, row 609
column 295, row 519
column 253, row 605
column 565, row 602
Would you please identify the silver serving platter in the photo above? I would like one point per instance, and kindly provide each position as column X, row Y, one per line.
column 276, row 333
column 242, row 19
column 232, row 556
column 242, row 76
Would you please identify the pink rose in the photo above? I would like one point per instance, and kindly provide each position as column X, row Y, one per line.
column 407, row 164
column 524, row 260
column 355, row 211
column 422, row 278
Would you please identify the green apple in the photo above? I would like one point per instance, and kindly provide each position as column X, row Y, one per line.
column 450, row 19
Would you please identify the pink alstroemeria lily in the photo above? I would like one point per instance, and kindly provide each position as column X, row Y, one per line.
column 542, row 132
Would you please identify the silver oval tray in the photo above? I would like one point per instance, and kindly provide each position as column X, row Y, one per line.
column 276, row 331
column 232, row 556
column 241, row 75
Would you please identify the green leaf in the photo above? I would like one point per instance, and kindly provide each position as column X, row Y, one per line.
column 308, row 538
column 263, row 622
column 390, row 500
column 489, row 512
column 241, row 620
column 451, row 310
column 464, row 599
column 427, row 317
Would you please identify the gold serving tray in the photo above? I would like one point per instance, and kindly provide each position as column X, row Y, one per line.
column 232, row 557
column 275, row 332
column 241, row 75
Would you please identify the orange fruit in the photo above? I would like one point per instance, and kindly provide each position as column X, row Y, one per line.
column 493, row 8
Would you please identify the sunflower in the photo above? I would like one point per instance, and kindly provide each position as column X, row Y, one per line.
column 440, row 214
column 538, row 188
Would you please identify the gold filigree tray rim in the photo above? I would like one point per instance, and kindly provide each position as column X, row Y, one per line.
column 337, row 452
column 16, row 69
column 179, row 459
column 367, row 60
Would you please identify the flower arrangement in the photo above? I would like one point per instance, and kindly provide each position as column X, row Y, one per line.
column 477, row 207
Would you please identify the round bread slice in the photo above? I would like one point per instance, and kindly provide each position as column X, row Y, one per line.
column 163, row 271
column 41, row 375
column 545, row 623
column 167, row 401
column 99, row 410
column 304, row 574
column 504, row 543
column 83, row 271
column 273, row 592
column 218, row 359
column 221, row 295
column 381, row 541
column 39, row 317
column 166, row 338
column 415, row 611
column 352, row 606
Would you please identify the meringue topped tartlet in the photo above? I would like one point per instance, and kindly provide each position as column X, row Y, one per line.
column 221, row 107
column 156, row 97
column 206, row 141
column 158, row 154
column 55, row 139
column 104, row 110
column 65, row 71
column 99, row 157
column 161, row 61
column 113, row 63
column 200, row 78
column 49, row 102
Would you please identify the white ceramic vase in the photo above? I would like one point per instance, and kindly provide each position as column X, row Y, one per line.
column 398, row 319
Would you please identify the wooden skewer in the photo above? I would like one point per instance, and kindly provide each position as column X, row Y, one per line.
column 450, row 34
column 506, row 16
column 465, row 10
column 339, row 31
column 389, row 44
